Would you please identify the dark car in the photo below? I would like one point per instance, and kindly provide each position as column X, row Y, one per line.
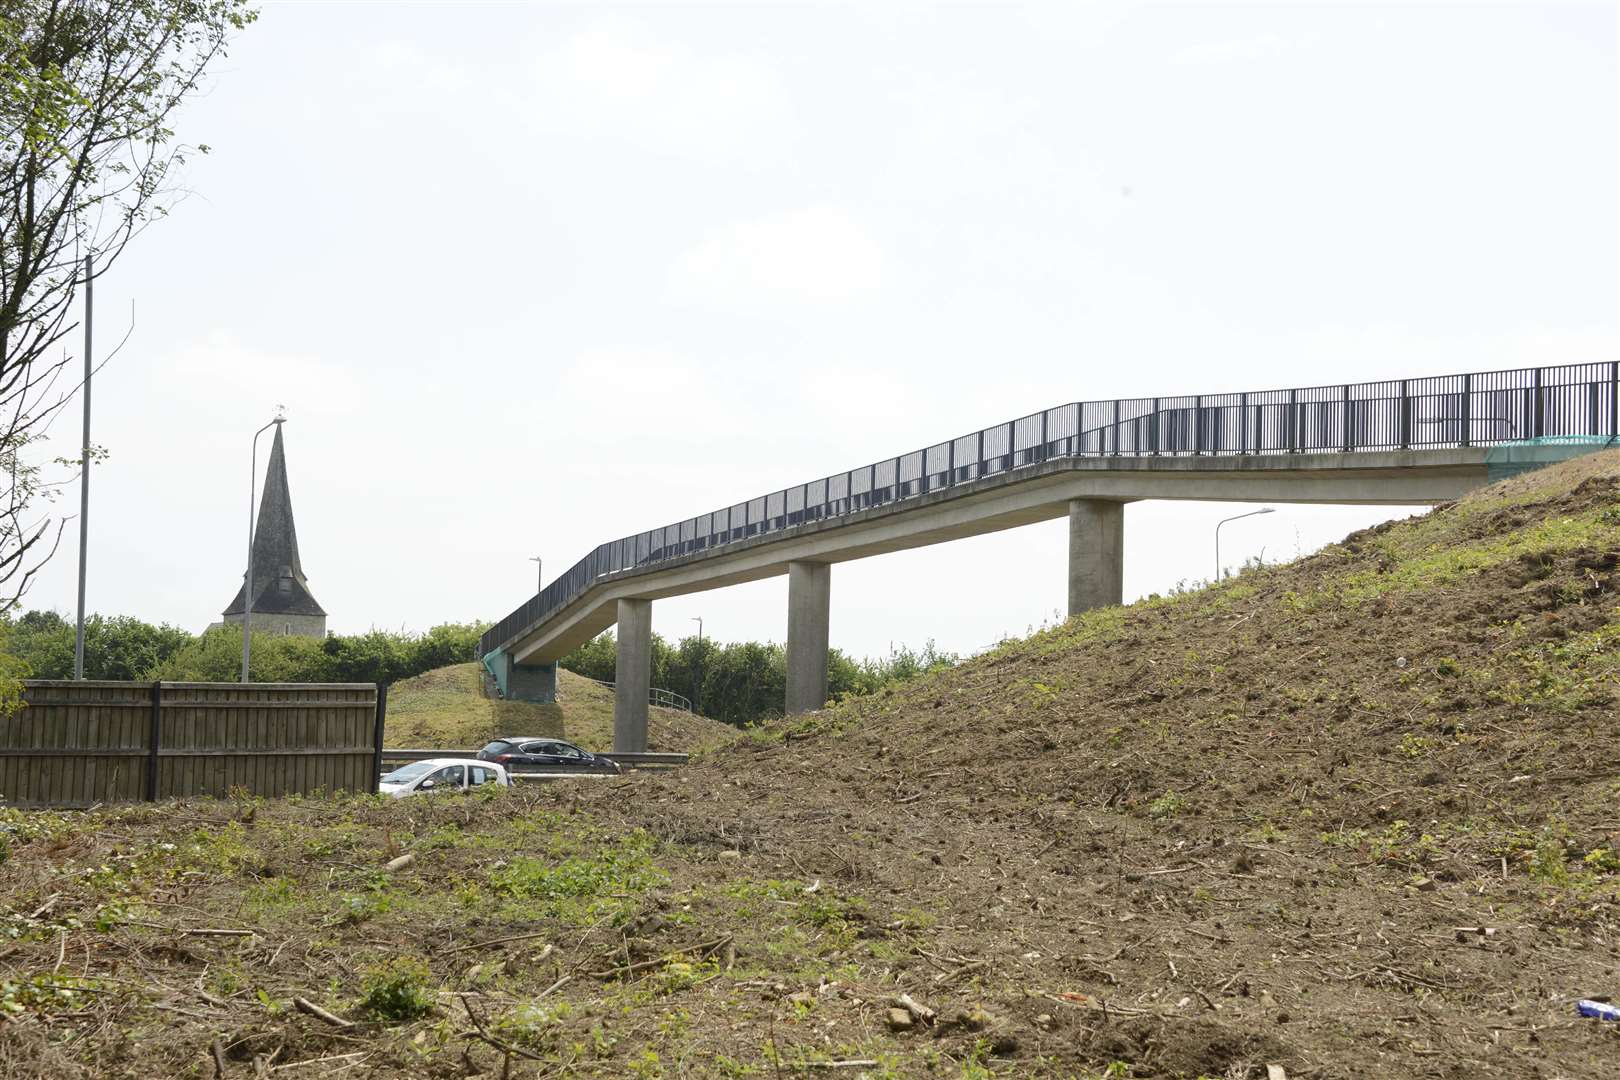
column 544, row 755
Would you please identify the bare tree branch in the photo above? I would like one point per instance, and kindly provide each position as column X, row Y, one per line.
column 88, row 89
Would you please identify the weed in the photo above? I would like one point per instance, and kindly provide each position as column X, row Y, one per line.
column 398, row 990
column 44, row 994
column 1167, row 805
column 1547, row 862
column 533, row 1026
column 1603, row 860
column 581, row 888
column 647, row 1066
column 1415, row 745
column 678, row 975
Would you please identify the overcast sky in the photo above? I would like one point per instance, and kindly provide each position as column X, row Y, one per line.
column 530, row 278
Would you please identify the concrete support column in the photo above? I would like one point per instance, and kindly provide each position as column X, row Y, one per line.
column 1096, row 554
column 809, row 606
column 632, row 676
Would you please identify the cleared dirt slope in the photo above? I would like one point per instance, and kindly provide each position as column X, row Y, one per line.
column 1256, row 820
column 1355, row 817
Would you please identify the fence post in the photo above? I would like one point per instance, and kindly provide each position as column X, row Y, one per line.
column 1614, row 399
column 1344, row 417
column 154, row 742
column 1293, row 409
column 1468, row 410
column 1535, row 407
column 1243, row 422
column 1153, row 427
column 950, row 463
column 1043, row 436
column 1406, row 418
column 1116, row 428
column 377, row 737
column 1198, row 425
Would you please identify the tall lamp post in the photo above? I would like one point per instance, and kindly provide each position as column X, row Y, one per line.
column 1223, row 521
column 84, row 475
column 247, row 585
column 697, row 682
column 539, row 573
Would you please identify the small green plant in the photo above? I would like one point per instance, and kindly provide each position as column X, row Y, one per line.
column 1269, row 832
column 680, row 975
column 398, row 990
column 1547, row 862
column 1603, row 860
column 581, row 886
column 1415, row 745
column 43, row 994
column 533, row 1026
column 1167, row 805
column 648, row 1066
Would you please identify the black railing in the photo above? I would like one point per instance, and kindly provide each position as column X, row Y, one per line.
column 1443, row 411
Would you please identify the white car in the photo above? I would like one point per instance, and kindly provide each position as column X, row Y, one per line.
column 442, row 774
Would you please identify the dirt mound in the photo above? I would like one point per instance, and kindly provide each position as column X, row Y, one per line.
column 1363, row 804
column 1353, row 817
column 448, row 708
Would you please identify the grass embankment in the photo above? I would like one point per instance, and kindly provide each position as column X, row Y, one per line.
column 447, row 708
column 1353, row 816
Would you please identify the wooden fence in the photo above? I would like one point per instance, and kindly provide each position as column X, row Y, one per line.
column 82, row 742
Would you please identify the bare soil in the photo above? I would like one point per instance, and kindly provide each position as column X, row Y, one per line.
column 1353, row 817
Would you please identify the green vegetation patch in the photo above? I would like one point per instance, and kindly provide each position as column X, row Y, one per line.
column 582, row 887
column 1443, row 561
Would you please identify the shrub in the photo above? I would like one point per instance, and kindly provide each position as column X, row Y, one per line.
column 398, row 991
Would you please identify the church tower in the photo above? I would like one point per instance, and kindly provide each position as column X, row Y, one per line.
column 282, row 602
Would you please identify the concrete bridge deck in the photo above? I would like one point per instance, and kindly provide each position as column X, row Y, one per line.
column 1039, row 492
column 1409, row 442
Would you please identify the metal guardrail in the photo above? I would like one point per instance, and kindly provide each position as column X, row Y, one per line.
column 643, row 760
column 1429, row 413
column 656, row 695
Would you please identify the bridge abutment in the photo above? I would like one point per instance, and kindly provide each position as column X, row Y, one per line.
column 809, row 610
column 632, row 676
column 1096, row 554
column 536, row 683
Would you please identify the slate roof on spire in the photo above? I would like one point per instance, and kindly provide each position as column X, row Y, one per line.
column 279, row 586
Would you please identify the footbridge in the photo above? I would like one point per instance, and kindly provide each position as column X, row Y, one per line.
column 1397, row 442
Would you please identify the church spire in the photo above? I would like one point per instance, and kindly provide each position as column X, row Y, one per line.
column 279, row 588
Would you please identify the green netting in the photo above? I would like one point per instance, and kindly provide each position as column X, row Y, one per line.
column 497, row 669
column 1511, row 459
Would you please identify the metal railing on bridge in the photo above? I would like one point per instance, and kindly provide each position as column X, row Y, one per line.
column 1429, row 413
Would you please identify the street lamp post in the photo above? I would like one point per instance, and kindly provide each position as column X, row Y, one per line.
column 84, row 474
column 247, row 584
column 697, row 683
column 539, row 573
column 1223, row 521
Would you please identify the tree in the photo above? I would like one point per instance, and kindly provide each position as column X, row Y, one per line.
column 745, row 682
column 88, row 89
